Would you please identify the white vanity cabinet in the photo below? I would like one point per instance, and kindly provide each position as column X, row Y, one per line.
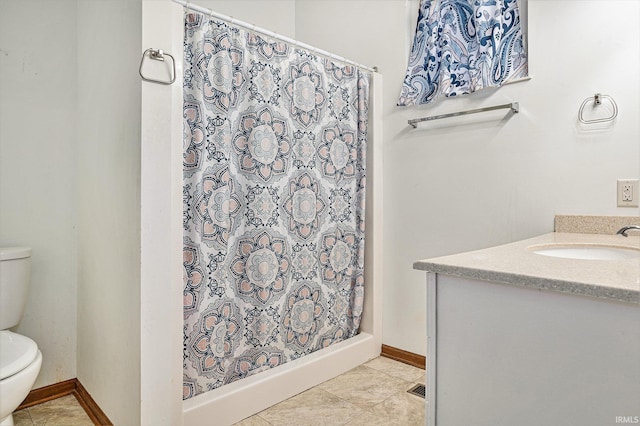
column 509, row 347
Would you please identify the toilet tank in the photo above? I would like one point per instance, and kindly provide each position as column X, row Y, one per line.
column 15, row 274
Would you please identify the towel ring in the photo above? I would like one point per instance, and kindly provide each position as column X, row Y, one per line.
column 158, row 55
column 597, row 100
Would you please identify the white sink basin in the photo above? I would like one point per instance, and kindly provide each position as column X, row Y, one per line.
column 586, row 252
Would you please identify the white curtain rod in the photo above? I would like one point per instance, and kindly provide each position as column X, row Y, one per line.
column 271, row 34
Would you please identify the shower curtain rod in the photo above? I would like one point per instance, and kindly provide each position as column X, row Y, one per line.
column 271, row 34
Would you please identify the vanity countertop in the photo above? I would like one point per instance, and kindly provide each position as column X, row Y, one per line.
column 516, row 264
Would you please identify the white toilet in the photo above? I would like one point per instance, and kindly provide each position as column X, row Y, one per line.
column 20, row 359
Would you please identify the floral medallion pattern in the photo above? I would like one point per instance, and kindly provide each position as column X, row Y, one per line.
column 304, row 206
column 306, row 93
column 338, row 72
column 263, row 144
column 215, row 336
column 337, row 257
column 260, row 266
column 335, row 335
column 218, row 138
column 339, row 105
column 193, row 136
column 340, row 205
column 262, row 206
column 304, row 149
column 255, row 361
column 267, row 49
column 190, row 388
column 339, row 308
column 338, row 152
column 187, row 211
column 274, row 142
column 262, row 326
column 194, row 277
column 218, row 68
column 305, row 311
column 216, row 203
column 216, row 273
column 265, row 83
column 304, row 261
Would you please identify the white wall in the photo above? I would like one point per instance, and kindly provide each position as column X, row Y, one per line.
column 37, row 169
column 480, row 181
column 161, row 284
column 275, row 15
column 69, row 187
column 108, row 210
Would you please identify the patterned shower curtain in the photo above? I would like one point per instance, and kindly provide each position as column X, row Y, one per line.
column 461, row 46
column 274, row 195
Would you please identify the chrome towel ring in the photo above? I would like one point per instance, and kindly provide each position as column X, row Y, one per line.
column 597, row 100
column 158, row 55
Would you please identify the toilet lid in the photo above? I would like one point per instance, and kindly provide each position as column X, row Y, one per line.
column 16, row 353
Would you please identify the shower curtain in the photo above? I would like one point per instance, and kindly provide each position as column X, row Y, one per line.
column 274, row 195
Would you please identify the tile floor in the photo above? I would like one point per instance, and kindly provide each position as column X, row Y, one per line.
column 63, row 411
column 372, row 394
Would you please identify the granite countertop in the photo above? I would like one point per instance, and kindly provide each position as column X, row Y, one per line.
column 516, row 264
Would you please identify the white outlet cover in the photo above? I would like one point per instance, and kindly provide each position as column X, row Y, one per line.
column 626, row 197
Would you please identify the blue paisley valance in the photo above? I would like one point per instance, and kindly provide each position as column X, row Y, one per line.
column 462, row 46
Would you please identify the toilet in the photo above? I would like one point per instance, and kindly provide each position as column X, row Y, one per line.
column 20, row 359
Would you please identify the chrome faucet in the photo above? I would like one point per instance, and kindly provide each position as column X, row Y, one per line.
column 623, row 231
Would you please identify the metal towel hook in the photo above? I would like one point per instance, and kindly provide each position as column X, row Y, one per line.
column 158, row 55
column 597, row 100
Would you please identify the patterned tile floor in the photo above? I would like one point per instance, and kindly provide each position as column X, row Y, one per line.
column 63, row 411
column 372, row 394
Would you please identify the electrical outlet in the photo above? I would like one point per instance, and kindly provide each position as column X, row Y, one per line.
column 628, row 193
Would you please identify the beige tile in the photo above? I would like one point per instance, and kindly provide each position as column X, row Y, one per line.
column 370, row 419
column 253, row 421
column 22, row 418
column 396, row 369
column 63, row 411
column 314, row 407
column 364, row 386
column 402, row 409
